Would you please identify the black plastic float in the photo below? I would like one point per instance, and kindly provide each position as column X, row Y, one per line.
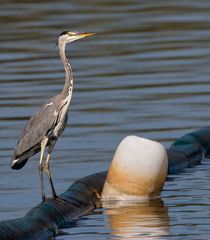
column 45, row 220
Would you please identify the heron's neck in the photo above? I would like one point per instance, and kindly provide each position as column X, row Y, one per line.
column 68, row 87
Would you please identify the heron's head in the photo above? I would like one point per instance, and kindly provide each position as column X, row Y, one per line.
column 67, row 37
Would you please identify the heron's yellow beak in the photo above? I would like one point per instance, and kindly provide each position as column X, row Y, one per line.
column 78, row 35
column 86, row 34
column 73, row 36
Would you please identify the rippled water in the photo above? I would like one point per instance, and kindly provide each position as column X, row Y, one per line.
column 146, row 72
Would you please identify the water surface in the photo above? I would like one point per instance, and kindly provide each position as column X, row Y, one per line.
column 146, row 72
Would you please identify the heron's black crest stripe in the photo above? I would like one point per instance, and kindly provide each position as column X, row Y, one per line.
column 64, row 33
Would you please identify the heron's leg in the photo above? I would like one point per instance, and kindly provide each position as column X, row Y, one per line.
column 43, row 146
column 54, row 195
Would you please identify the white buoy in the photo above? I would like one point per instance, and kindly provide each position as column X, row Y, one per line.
column 138, row 170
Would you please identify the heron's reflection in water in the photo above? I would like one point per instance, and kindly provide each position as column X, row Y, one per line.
column 148, row 220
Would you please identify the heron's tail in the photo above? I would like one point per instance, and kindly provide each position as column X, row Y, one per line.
column 18, row 163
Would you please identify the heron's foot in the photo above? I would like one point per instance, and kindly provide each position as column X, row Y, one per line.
column 44, row 199
column 55, row 196
column 60, row 200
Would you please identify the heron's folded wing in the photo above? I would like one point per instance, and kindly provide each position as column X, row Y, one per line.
column 37, row 127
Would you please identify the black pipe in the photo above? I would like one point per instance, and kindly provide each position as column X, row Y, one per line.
column 45, row 220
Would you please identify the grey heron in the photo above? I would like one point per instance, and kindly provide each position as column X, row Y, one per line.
column 44, row 128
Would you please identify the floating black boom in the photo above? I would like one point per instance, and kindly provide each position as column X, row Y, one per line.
column 45, row 220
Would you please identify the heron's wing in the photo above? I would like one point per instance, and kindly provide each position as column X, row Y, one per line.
column 37, row 127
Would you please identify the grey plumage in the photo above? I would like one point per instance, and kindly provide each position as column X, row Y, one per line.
column 44, row 128
column 39, row 126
